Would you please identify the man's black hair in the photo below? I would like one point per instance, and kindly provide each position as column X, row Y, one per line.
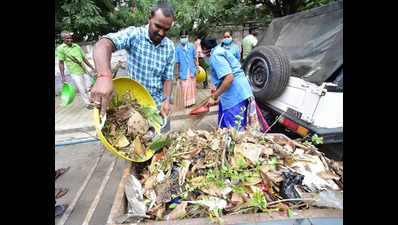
column 202, row 35
column 167, row 10
column 253, row 27
column 183, row 32
column 208, row 42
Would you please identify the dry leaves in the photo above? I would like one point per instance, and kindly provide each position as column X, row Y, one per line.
column 179, row 211
column 137, row 125
column 249, row 151
column 122, row 142
column 138, row 147
column 328, row 175
column 201, row 165
column 158, row 211
column 236, row 199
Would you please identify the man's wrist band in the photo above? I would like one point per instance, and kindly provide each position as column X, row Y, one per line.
column 104, row 75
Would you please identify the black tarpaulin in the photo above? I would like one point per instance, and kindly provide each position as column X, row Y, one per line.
column 312, row 40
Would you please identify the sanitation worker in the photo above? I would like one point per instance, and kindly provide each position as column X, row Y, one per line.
column 237, row 107
column 73, row 56
column 150, row 59
column 186, row 66
column 228, row 44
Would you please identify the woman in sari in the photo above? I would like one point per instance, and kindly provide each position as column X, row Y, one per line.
column 186, row 66
column 237, row 107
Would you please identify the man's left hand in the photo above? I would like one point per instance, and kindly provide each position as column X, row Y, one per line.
column 165, row 108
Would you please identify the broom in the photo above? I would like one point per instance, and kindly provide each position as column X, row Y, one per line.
column 177, row 97
column 198, row 116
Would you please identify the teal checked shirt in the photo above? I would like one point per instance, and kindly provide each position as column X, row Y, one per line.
column 148, row 64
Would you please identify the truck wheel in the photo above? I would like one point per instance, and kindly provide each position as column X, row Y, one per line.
column 268, row 71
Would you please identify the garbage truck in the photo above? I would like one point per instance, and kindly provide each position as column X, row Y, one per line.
column 296, row 73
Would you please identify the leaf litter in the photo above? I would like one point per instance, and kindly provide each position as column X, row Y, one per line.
column 130, row 127
column 202, row 173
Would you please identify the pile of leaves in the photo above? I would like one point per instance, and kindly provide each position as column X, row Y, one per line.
column 214, row 173
column 130, row 127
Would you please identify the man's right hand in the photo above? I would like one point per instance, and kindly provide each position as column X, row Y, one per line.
column 63, row 79
column 102, row 93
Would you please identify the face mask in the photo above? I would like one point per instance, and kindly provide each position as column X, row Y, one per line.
column 227, row 41
column 183, row 41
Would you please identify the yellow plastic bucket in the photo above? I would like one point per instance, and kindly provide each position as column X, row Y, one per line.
column 122, row 85
column 200, row 75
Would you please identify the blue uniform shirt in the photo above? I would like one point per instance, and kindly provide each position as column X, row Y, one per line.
column 148, row 64
column 222, row 62
column 186, row 58
column 233, row 48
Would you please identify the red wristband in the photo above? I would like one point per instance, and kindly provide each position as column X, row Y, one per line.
column 104, row 75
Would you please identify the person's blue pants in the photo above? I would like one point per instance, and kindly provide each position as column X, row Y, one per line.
column 234, row 116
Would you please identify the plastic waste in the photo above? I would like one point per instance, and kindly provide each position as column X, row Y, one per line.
column 136, row 206
column 290, row 180
column 176, row 200
column 212, row 202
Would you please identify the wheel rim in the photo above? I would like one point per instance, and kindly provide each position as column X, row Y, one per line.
column 258, row 73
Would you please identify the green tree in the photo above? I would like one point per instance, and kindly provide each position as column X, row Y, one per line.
column 82, row 17
column 196, row 16
column 91, row 18
column 281, row 8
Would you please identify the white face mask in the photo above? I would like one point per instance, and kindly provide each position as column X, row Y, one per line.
column 227, row 41
column 184, row 41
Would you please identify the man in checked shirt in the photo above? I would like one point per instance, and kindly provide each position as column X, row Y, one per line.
column 150, row 59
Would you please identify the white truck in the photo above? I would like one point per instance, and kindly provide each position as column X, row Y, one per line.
column 296, row 73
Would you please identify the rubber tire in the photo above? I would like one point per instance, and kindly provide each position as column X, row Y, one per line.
column 272, row 66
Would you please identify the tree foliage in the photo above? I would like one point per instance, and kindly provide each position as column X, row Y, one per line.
column 281, row 8
column 90, row 18
column 82, row 17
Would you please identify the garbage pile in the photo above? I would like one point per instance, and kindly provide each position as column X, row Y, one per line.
column 224, row 172
column 130, row 128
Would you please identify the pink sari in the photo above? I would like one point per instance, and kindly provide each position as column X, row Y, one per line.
column 188, row 88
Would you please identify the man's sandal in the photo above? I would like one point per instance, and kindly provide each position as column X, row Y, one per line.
column 59, row 192
column 61, row 171
column 61, row 209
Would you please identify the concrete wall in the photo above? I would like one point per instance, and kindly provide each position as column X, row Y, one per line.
column 120, row 56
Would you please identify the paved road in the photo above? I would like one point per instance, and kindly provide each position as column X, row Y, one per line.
column 90, row 164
